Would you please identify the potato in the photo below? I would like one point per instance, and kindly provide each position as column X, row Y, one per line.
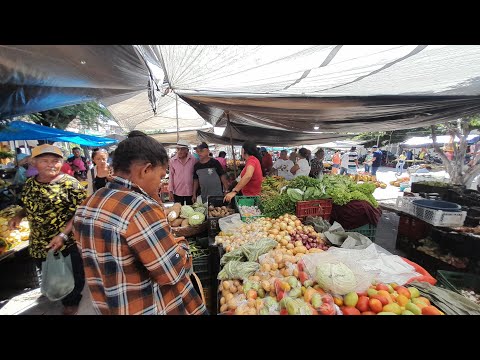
column 233, row 289
column 226, row 284
column 184, row 223
column 229, row 297
column 223, row 308
column 177, row 222
column 236, row 282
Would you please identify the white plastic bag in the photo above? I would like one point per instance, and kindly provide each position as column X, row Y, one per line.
column 57, row 276
column 230, row 223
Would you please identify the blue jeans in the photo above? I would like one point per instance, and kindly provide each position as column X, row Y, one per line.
column 399, row 167
column 367, row 168
column 374, row 170
column 343, row 171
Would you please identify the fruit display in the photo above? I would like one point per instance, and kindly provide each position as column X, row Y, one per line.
column 367, row 178
column 397, row 182
column 9, row 239
column 387, row 299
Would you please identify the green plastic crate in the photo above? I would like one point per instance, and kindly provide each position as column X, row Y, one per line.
column 368, row 230
column 248, row 201
column 457, row 281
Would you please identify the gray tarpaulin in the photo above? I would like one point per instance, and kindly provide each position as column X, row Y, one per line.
column 338, row 88
column 267, row 136
column 338, row 114
column 41, row 77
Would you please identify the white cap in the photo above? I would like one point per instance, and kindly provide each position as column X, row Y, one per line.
column 183, row 143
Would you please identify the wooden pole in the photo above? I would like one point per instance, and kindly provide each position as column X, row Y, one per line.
column 176, row 109
column 233, row 149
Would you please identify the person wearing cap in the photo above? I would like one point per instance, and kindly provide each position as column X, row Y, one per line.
column 50, row 200
column 377, row 161
column 180, row 178
column 208, row 175
column 267, row 161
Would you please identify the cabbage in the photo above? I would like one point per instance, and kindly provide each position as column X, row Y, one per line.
column 200, row 209
column 186, row 211
column 196, row 218
column 335, row 278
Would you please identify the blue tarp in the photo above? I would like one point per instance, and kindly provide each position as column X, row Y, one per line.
column 20, row 130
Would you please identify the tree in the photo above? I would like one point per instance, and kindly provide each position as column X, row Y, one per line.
column 89, row 114
column 461, row 128
column 396, row 136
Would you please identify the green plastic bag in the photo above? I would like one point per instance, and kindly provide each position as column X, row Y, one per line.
column 57, row 276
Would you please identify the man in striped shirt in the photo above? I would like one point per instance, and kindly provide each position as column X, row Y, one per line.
column 133, row 264
column 352, row 165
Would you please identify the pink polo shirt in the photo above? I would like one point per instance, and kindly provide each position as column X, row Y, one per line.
column 180, row 180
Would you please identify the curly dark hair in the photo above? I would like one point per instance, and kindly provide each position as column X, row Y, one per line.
column 138, row 147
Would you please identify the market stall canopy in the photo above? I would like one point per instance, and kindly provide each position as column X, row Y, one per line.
column 20, row 130
column 340, row 114
column 171, row 138
column 426, row 141
column 267, row 136
column 41, row 77
column 336, row 87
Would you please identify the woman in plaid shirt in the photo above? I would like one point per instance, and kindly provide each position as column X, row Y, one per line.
column 133, row 264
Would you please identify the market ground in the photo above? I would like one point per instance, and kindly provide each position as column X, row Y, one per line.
column 30, row 301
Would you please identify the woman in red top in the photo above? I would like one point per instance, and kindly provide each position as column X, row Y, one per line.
column 251, row 177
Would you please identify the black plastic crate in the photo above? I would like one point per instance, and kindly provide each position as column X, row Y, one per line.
column 432, row 264
column 459, row 244
column 19, row 272
column 418, row 187
column 213, row 226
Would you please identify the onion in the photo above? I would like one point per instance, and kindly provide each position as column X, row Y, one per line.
column 283, row 225
column 307, row 246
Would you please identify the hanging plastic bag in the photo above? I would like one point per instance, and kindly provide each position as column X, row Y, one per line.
column 57, row 276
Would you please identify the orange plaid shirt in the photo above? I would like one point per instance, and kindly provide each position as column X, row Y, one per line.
column 133, row 264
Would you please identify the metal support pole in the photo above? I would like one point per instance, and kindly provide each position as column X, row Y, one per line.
column 176, row 109
column 233, row 149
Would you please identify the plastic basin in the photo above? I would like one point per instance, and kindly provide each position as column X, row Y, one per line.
column 438, row 205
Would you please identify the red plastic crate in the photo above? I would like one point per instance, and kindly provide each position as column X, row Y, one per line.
column 413, row 228
column 322, row 208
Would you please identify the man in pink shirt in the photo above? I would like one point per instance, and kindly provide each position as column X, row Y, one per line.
column 180, row 182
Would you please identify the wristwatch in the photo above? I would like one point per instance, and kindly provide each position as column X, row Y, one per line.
column 63, row 236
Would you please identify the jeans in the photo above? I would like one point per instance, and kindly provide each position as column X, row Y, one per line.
column 72, row 299
column 399, row 167
column 343, row 171
column 367, row 168
column 374, row 170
